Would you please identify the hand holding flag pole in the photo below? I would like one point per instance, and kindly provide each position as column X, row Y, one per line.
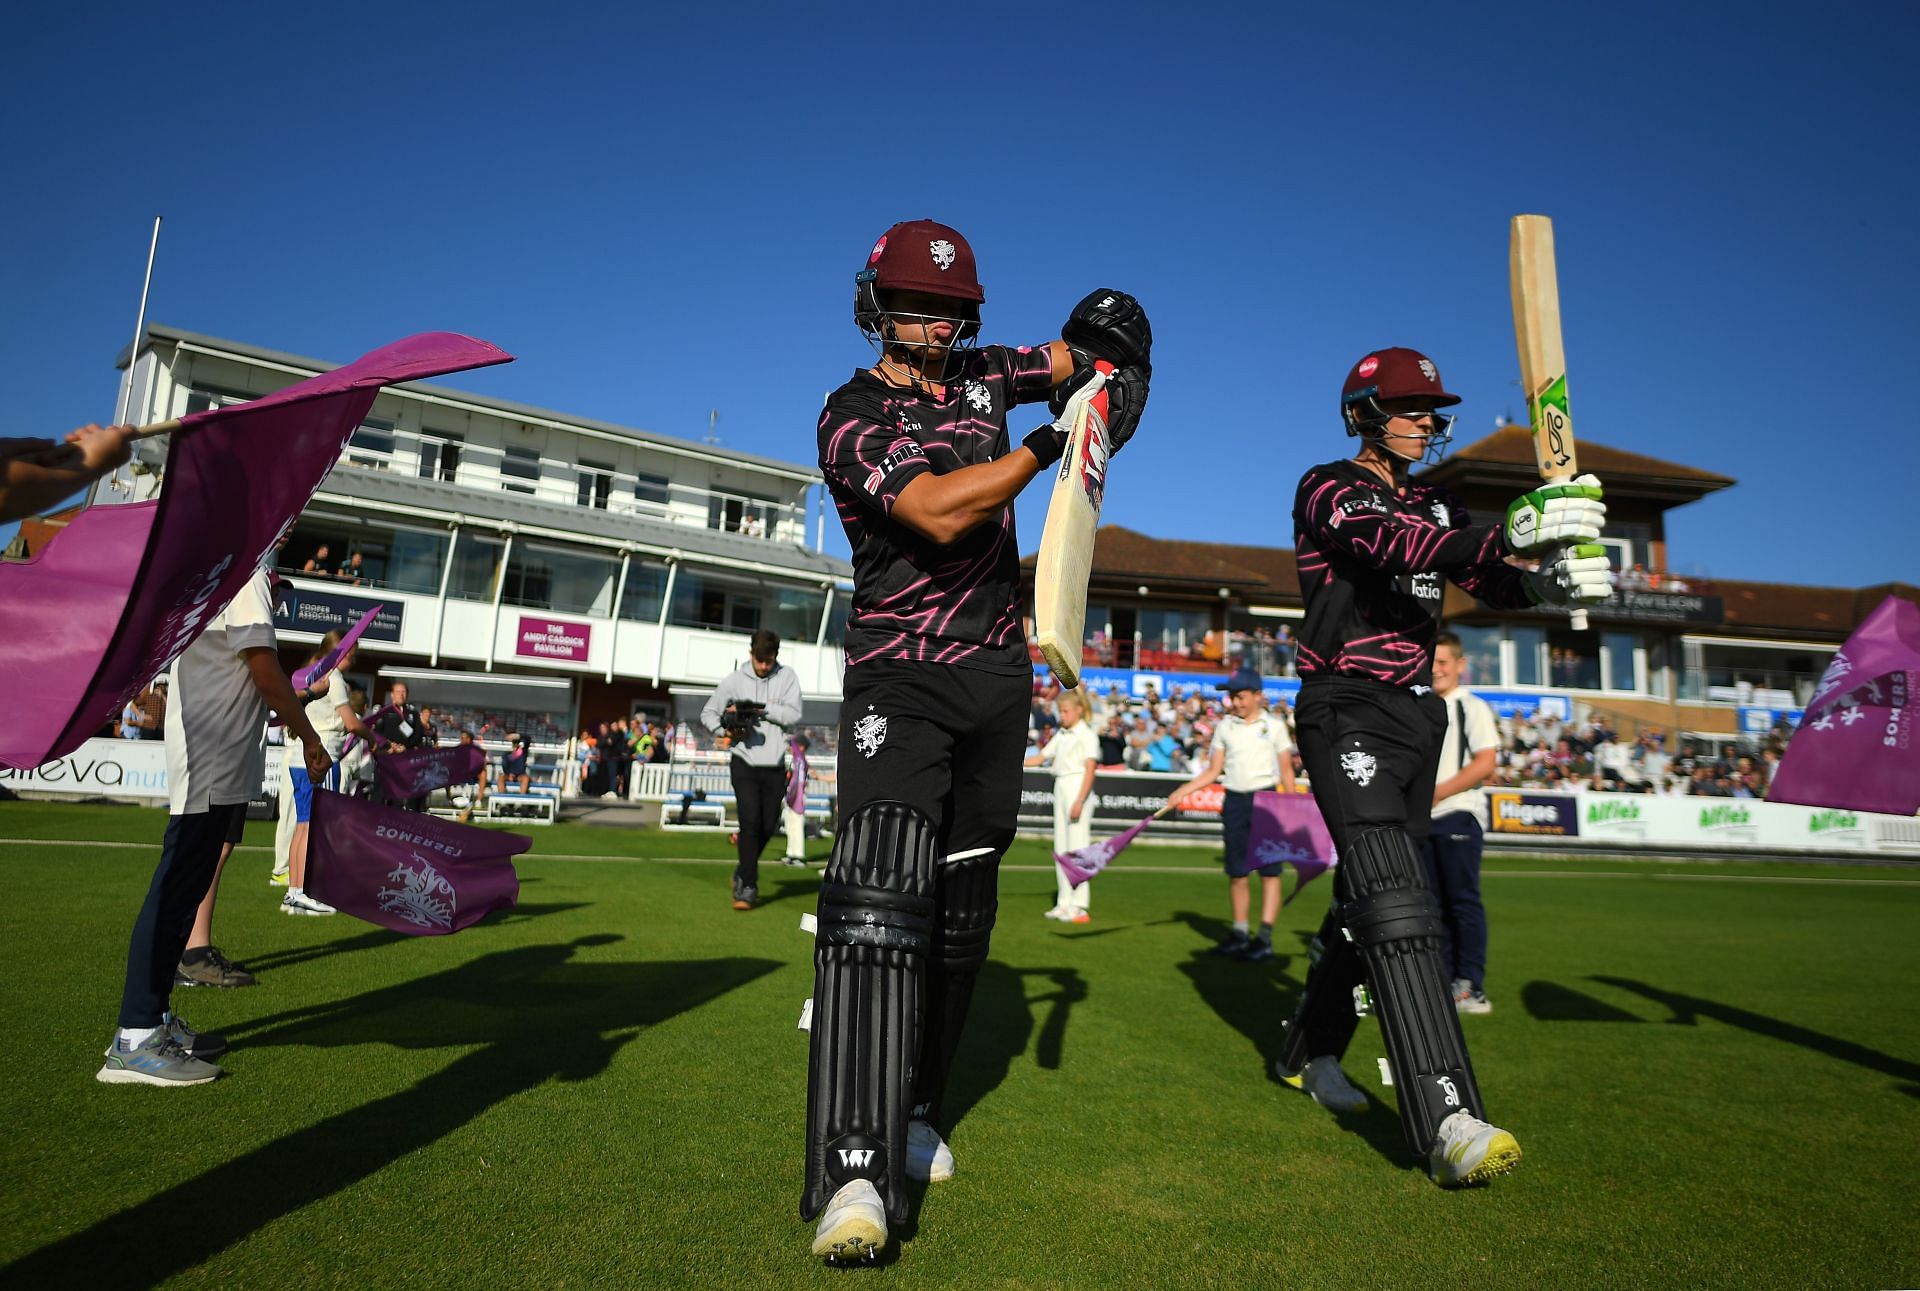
column 1083, row 863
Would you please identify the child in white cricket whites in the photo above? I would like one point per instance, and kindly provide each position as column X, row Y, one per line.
column 1073, row 752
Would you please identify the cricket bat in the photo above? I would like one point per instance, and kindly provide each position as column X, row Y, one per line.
column 1066, row 548
column 1543, row 359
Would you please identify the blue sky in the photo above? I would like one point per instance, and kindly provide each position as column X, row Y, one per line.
column 661, row 210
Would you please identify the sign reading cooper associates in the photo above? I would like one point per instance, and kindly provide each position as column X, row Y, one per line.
column 544, row 638
column 300, row 609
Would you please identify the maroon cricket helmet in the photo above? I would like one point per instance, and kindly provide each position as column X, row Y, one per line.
column 1396, row 373
column 927, row 256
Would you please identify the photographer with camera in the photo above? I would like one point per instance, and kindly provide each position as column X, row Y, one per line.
column 752, row 711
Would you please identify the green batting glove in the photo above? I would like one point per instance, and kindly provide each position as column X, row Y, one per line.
column 1554, row 515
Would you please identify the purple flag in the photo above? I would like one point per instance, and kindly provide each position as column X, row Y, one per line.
column 100, row 610
column 1083, row 863
column 407, row 871
column 408, row 775
column 313, row 672
column 1287, row 827
column 1858, row 746
column 797, row 779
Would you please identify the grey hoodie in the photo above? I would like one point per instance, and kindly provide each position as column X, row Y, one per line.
column 766, row 744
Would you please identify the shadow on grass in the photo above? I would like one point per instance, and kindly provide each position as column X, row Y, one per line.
column 1001, row 1025
column 793, row 885
column 1256, row 1000
column 1552, row 1002
column 374, row 938
column 540, row 1016
column 1689, row 1009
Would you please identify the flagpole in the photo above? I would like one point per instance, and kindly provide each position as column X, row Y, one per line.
column 139, row 328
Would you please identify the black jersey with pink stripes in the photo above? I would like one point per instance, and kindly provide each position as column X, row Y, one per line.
column 1371, row 562
column 912, row 598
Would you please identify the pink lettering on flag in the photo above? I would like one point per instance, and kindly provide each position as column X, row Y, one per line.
column 408, row 775
column 1287, row 828
column 407, row 871
column 100, row 610
column 1858, row 744
column 542, row 638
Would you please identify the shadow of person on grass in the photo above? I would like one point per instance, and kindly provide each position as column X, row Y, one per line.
column 374, row 938
column 1257, row 1000
column 1689, row 1009
column 537, row 1014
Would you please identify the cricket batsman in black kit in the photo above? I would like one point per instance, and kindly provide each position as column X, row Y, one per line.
column 938, row 685
column 1372, row 549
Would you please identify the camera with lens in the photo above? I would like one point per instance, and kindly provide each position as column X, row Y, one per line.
column 742, row 718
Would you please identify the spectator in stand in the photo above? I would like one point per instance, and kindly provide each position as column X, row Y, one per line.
column 588, row 753
column 514, row 776
column 350, row 570
column 662, row 744
column 320, row 564
column 1113, row 741
column 1160, row 750
column 1073, row 752
column 132, row 720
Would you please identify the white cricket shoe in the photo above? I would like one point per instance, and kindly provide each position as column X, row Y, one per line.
column 1467, row 1150
column 1058, row 912
column 929, row 1160
column 1323, row 1081
column 854, row 1224
column 299, row 903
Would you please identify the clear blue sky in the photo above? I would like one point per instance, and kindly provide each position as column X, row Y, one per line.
column 661, row 211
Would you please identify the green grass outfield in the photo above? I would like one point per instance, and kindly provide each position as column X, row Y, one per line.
column 1714, row 1071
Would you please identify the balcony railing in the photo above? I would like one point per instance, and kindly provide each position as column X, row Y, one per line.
column 483, row 466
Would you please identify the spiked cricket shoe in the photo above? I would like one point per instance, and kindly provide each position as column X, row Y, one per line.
column 1325, row 1083
column 853, row 1226
column 1469, row 1151
column 929, row 1160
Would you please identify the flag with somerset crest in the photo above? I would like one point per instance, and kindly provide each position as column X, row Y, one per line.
column 1858, row 745
column 101, row 609
column 408, row 871
column 408, row 775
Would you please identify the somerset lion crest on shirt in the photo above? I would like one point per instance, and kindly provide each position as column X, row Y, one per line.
column 1358, row 766
column 869, row 733
column 977, row 396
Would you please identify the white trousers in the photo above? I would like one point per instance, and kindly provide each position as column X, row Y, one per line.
column 796, row 825
column 1071, row 836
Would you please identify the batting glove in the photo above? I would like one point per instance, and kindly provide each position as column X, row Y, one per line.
column 1573, row 577
column 1048, row 442
column 1554, row 515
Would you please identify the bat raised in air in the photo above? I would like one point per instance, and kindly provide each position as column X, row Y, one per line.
column 1543, row 359
column 1066, row 548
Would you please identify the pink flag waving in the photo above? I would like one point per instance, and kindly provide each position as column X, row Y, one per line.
column 407, row 871
column 797, row 779
column 1858, row 746
column 1084, row 863
column 1287, row 827
column 408, row 775
column 327, row 662
column 100, row 610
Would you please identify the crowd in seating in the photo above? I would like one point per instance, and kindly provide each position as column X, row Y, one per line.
column 1170, row 732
